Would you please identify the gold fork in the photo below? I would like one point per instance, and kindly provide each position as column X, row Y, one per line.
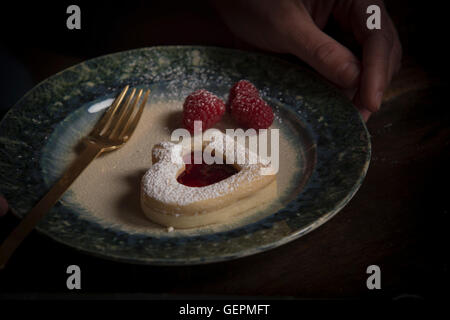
column 110, row 133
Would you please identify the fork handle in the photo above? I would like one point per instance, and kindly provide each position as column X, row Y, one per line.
column 28, row 223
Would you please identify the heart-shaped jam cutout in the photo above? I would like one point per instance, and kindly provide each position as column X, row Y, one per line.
column 201, row 175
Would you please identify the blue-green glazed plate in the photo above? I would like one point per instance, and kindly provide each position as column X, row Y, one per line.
column 331, row 158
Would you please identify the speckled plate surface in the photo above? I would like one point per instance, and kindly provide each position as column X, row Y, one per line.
column 332, row 141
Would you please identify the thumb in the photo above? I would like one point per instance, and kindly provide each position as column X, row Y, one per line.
column 331, row 59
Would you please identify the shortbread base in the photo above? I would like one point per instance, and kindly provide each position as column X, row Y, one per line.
column 180, row 221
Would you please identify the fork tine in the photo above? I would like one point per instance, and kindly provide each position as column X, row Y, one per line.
column 116, row 119
column 120, row 124
column 113, row 121
column 109, row 113
column 128, row 129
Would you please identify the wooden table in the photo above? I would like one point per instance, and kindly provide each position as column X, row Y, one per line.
column 397, row 220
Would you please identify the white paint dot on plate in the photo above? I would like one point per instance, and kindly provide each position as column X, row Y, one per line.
column 100, row 105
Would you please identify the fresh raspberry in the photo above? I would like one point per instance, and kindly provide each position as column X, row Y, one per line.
column 202, row 105
column 242, row 87
column 252, row 112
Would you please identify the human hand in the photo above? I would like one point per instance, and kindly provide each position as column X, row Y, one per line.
column 294, row 26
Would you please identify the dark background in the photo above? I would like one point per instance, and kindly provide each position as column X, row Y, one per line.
column 398, row 220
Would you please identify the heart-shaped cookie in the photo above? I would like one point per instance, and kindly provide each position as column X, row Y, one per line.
column 166, row 201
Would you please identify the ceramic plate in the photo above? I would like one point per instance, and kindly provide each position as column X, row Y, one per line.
column 328, row 156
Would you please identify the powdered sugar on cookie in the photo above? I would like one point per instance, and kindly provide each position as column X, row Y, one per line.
column 160, row 181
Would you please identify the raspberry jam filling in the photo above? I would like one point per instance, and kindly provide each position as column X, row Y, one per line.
column 201, row 175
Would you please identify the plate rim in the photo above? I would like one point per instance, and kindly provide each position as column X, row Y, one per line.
column 219, row 257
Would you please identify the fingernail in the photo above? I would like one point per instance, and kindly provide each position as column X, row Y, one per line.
column 350, row 74
column 378, row 99
column 365, row 114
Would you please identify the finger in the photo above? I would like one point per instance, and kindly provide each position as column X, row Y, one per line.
column 353, row 94
column 3, row 206
column 375, row 70
column 381, row 54
column 331, row 59
column 365, row 113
